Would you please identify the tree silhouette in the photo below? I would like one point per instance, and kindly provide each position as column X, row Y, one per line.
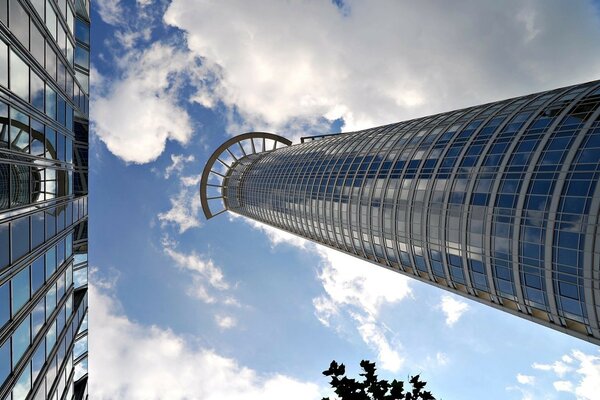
column 371, row 388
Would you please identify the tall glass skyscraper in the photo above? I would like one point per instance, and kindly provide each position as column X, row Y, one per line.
column 498, row 203
column 44, row 69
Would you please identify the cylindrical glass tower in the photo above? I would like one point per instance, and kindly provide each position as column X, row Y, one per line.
column 498, row 202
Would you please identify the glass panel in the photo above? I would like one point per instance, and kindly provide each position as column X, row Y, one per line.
column 83, row 79
column 37, row 44
column 50, row 224
column 4, row 13
column 4, row 361
column 51, row 337
column 4, row 245
column 37, row 91
column 20, row 237
column 50, row 61
column 23, row 385
column 38, row 316
column 50, row 102
column 20, row 290
column 80, row 277
column 3, row 64
column 20, row 341
column 19, row 22
column 80, row 347
column 19, row 132
column 37, row 274
column 37, row 229
column 19, row 76
column 38, row 360
column 51, row 302
column 50, row 19
column 82, row 57
column 37, row 138
column 50, row 262
column 4, row 303
column 82, row 31
column 39, row 7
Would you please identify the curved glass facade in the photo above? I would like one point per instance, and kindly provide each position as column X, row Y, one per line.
column 44, row 122
column 497, row 202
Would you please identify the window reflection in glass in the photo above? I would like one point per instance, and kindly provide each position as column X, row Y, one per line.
column 37, row 92
column 80, row 369
column 51, row 19
column 51, row 302
column 38, row 360
column 82, row 31
column 82, row 57
column 4, row 303
column 19, row 22
column 80, row 277
column 23, row 385
column 37, row 44
column 3, row 64
column 4, row 361
column 19, row 76
column 19, row 237
column 38, row 316
column 20, row 290
column 19, row 131
column 50, row 102
column 50, row 61
column 20, row 341
column 37, row 139
column 50, row 224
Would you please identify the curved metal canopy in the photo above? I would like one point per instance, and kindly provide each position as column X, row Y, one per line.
column 230, row 147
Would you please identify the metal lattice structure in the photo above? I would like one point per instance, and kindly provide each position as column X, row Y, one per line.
column 499, row 202
column 248, row 144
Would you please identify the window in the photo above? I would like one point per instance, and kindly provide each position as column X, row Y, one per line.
column 4, row 303
column 3, row 64
column 51, row 19
column 38, row 360
column 19, row 76
column 37, row 138
column 82, row 57
column 19, row 237
column 19, row 131
column 4, row 361
column 38, row 317
column 4, row 247
column 37, row 229
column 19, row 22
column 50, row 61
column 20, row 290
column 20, row 341
column 82, row 31
column 23, row 385
column 51, row 302
column 50, row 102
column 50, row 262
column 37, row 274
column 50, row 224
column 37, row 91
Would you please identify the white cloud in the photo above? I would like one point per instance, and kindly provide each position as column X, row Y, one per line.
column 110, row 11
column 578, row 373
column 178, row 162
column 558, row 367
column 525, row 379
column 324, row 62
column 453, row 307
column 563, row 386
column 184, row 211
column 225, row 321
column 137, row 113
column 150, row 362
column 442, row 359
column 208, row 281
column 353, row 289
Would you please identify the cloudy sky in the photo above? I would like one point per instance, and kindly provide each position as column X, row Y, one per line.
column 183, row 308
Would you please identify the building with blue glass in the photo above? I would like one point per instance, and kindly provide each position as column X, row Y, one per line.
column 498, row 203
column 44, row 70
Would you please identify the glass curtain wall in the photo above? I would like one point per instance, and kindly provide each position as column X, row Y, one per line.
column 497, row 202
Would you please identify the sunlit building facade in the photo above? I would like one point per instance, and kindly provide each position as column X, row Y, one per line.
column 498, row 203
column 44, row 86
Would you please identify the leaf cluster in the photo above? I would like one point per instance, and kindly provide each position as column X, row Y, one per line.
column 371, row 388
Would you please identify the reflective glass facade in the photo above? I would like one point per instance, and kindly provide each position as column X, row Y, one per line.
column 498, row 202
column 44, row 69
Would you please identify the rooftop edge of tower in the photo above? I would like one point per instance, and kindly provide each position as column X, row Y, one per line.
column 227, row 155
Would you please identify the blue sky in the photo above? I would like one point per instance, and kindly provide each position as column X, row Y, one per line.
column 228, row 309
